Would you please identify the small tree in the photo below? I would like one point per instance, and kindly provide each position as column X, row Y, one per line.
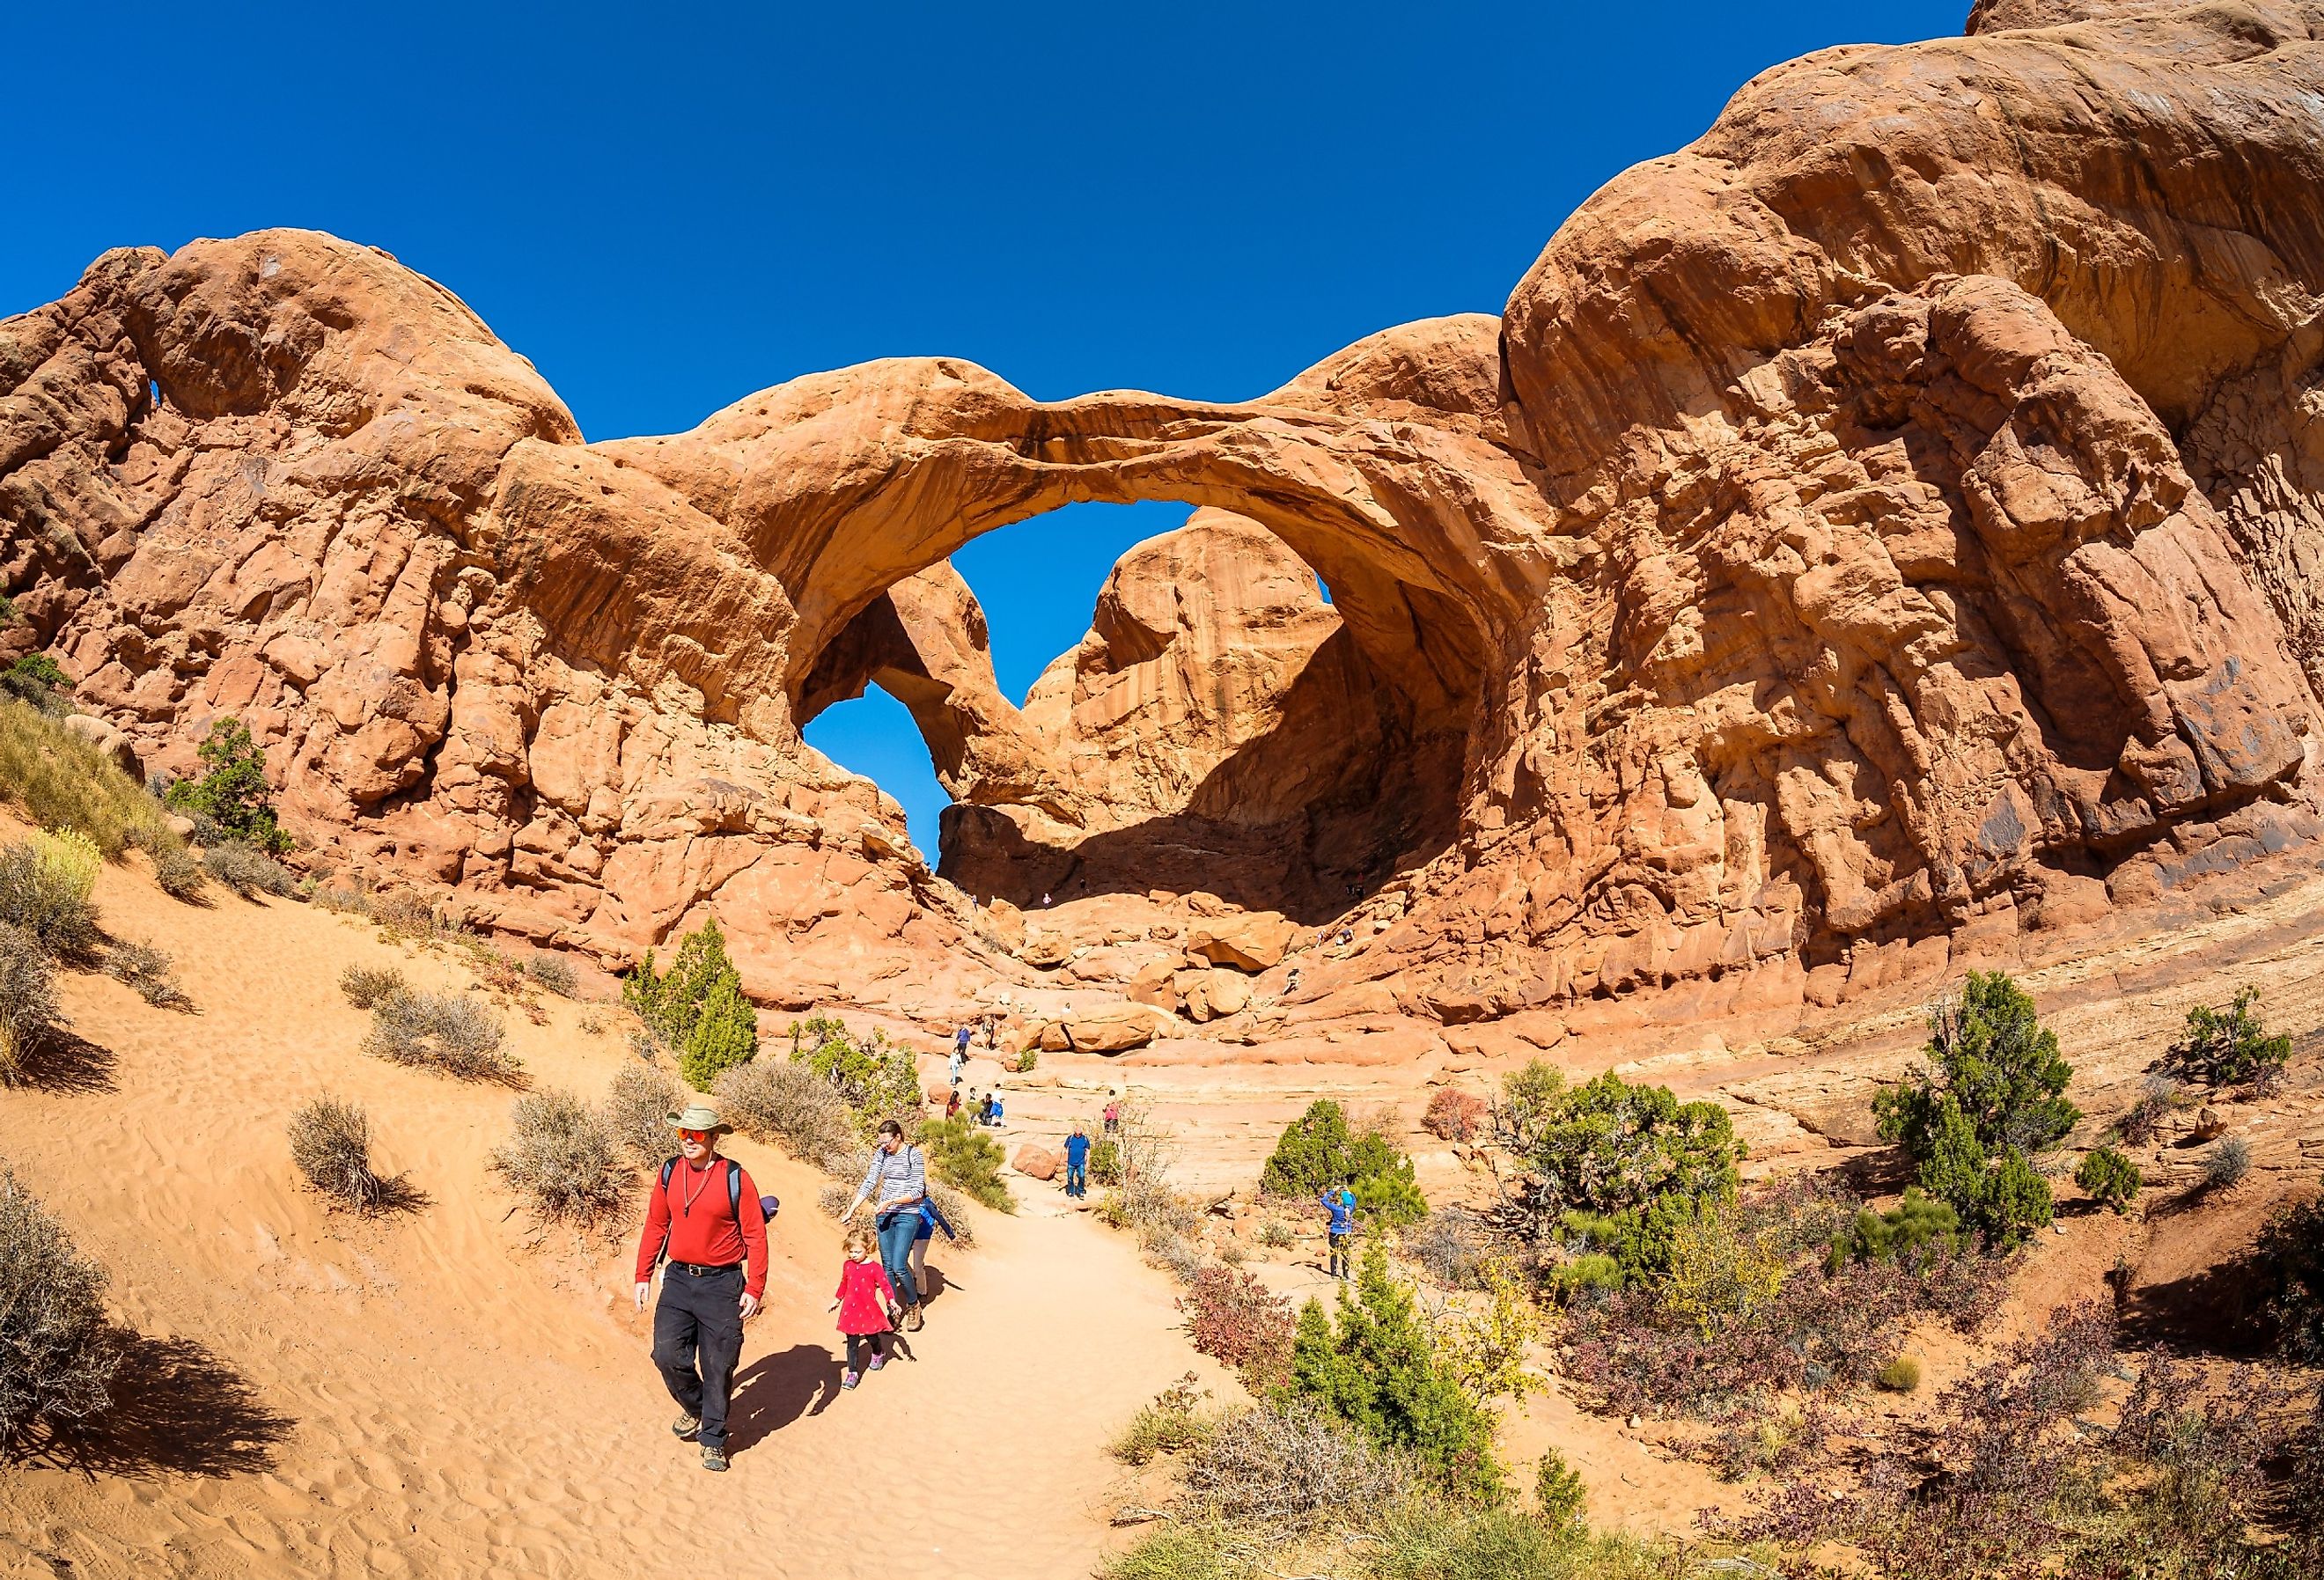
column 2109, row 1178
column 233, row 792
column 1374, row 1367
column 1317, row 1150
column 2226, row 1047
column 874, row 1077
column 698, row 1006
column 965, row 1158
column 1558, row 1494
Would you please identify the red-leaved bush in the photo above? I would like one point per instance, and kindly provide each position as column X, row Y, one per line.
column 1232, row 1318
column 1456, row 1117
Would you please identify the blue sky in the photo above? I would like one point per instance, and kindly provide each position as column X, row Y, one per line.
column 667, row 207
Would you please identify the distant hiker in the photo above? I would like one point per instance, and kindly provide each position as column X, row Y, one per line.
column 897, row 1183
column 1077, row 1151
column 958, row 1062
column 1113, row 1119
column 697, row 1212
column 862, row 1301
column 960, row 1043
column 931, row 1220
column 952, row 1101
column 992, row 1032
column 1045, row 900
column 1341, row 1204
column 992, row 1107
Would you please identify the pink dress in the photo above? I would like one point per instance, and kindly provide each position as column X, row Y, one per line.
column 863, row 1296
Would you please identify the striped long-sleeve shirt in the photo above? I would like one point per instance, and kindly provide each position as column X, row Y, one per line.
column 900, row 1175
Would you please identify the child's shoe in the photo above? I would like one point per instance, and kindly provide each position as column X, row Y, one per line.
column 878, row 1361
column 849, row 1378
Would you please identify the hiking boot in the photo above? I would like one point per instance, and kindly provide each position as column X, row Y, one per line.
column 911, row 1319
column 686, row 1426
column 713, row 1458
column 849, row 1380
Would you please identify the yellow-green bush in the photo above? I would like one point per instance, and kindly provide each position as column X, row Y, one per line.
column 61, row 781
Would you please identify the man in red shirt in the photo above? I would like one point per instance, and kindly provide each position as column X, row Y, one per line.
column 705, row 1211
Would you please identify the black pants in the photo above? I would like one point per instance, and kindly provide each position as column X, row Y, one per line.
column 700, row 1314
column 857, row 1343
column 1338, row 1248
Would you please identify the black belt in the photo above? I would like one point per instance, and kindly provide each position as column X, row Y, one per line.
column 695, row 1270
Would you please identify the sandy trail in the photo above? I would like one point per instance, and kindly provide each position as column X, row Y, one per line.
column 445, row 1393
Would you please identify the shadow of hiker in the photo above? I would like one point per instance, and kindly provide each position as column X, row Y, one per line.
column 774, row 1391
column 176, row 1409
column 59, row 1061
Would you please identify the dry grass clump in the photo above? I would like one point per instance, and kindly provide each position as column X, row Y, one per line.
column 146, row 969
column 62, row 782
column 181, row 876
column 28, row 999
column 330, row 1141
column 553, row 971
column 1173, row 1423
column 45, row 883
column 441, row 1031
column 785, row 1102
column 367, row 986
column 2226, row 1163
column 637, row 1107
column 1901, row 1375
column 57, row 1351
column 1288, row 1468
column 248, row 871
column 562, row 1158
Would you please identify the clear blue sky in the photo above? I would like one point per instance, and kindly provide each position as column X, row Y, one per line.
column 667, row 208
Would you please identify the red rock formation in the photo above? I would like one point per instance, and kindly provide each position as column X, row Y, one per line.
column 1888, row 517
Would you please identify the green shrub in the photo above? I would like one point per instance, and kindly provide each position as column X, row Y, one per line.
column 1901, row 1375
column 1918, row 1224
column 2109, row 1178
column 2229, row 1047
column 1559, row 1497
column 330, row 1142
column 45, row 883
column 58, row 1353
column 874, row 1076
column 366, row 985
column 1105, row 1161
column 1317, row 1151
column 248, row 871
column 28, row 1001
column 562, row 1158
column 966, row 1159
column 697, row 1007
column 1441, row 1539
column 1188, row 1549
column 1625, row 1164
column 442, row 1032
column 1027, row 1060
column 1595, row 1273
column 1992, row 1096
column 62, row 782
column 38, row 681
column 1374, row 1367
column 233, row 792
column 775, row 1100
column 637, row 1108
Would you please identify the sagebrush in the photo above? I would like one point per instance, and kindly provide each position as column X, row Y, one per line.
column 330, row 1142
column 778, row 1100
column 29, row 1010
column 58, row 1353
column 443, row 1031
column 637, row 1109
column 562, row 1158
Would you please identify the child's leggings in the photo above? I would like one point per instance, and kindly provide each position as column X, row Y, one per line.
column 857, row 1343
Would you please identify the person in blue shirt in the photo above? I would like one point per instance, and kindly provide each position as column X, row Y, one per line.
column 1077, row 1151
column 1339, row 1202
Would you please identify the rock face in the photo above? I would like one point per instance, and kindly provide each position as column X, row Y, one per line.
column 1882, row 520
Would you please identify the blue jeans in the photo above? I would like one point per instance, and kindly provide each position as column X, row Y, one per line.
column 1077, row 1180
column 896, row 1232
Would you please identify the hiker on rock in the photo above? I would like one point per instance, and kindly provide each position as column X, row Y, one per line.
column 1077, row 1151
column 958, row 1061
column 1340, row 1204
column 708, row 1216
column 896, row 1185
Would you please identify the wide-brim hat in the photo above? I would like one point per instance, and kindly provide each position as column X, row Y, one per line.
column 694, row 1116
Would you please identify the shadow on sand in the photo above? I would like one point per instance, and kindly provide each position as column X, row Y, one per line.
column 178, row 1409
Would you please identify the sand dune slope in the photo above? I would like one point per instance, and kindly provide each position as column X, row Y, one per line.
column 449, row 1391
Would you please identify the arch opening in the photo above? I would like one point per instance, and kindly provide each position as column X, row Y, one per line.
column 1221, row 725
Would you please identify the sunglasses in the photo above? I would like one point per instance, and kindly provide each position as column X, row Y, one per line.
column 694, row 1135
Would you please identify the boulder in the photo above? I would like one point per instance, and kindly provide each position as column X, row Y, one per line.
column 1035, row 1162
column 1114, row 1029
column 1250, row 940
column 108, row 740
column 1212, row 994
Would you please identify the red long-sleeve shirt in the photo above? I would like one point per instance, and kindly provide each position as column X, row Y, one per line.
column 692, row 1214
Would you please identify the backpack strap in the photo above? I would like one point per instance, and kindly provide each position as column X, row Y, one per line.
column 734, row 1192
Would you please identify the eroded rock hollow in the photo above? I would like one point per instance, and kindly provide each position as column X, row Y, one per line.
column 1891, row 517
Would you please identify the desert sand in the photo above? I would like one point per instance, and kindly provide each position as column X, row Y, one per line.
column 446, row 1391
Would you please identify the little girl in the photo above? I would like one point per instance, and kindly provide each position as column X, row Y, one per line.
column 862, row 1301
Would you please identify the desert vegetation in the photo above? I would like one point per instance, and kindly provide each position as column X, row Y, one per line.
column 563, row 1158
column 231, row 802
column 1320, row 1150
column 63, row 782
column 448, row 1033
column 57, row 1350
column 330, row 1143
column 696, row 1007
column 146, row 971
